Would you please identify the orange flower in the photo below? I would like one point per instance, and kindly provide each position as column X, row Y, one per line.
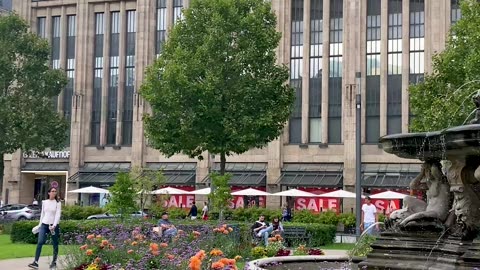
column 195, row 263
column 155, row 252
column 83, row 247
column 153, row 246
column 196, row 233
column 130, row 251
column 110, row 246
column 201, row 254
column 99, row 236
column 89, row 252
column 90, row 236
column 238, row 257
column 225, row 232
column 218, row 265
column 163, row 245
column 180, row 231
column 134, row 243
column 170, row 256
column 97, row 260
column 216, row 252
column 104, row 242
column 230, row 229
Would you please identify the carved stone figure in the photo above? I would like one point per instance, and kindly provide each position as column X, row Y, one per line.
column 476, row 100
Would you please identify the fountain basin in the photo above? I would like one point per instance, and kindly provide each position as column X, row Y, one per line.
column 300, row 261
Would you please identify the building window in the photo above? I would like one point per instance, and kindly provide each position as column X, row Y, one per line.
column 455, row 12
column 315, row 80
column 97, row 80
column 161, row 25
column 68, row 92
column 296, row 62
column 335, row 72
column 129, row 79
column 372, row 89
column 41, row 29
column 113, row 79
column 417, row 34
column 177, row 10
column 55, row 50
column 394, row 78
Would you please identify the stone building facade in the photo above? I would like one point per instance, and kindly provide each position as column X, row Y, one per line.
column 105, row 46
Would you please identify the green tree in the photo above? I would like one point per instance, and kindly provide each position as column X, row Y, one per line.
column 122, row 195
column 28, row 120
column 221, row 196
column 444, row 98
column 216, row 85
column 144, row 182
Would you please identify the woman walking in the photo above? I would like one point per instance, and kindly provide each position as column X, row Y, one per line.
column 49, row 219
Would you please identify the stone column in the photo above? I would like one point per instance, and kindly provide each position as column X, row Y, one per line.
column 63, row 54
column 405, row 64
column 106, row 74
column 383, row 66
column 121, row 72
column 325, row 68
column 305, row 72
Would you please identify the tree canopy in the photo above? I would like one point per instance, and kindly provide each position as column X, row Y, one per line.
column 216, row 85
column 28, row 120
column 444, row 99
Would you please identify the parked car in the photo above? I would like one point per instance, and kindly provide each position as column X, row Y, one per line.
column 20, row 212
column 136, row 214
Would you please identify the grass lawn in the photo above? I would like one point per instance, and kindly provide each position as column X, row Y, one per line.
column 10, row 250
column 340, row 246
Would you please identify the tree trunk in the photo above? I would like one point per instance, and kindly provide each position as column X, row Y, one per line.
column 223, row 161
column 2, row 168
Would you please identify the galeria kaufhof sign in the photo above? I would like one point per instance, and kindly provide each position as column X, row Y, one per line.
column 48, row 154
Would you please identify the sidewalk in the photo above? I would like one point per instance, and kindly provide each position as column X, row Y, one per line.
column 22, row 263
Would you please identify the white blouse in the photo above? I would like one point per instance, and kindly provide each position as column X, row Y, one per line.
column 51, row 211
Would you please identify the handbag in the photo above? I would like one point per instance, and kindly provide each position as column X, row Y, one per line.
column 36, row 229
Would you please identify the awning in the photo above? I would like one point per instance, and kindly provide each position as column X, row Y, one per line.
column 244, row 173
column 389, row 175
column 46, row 166
column 176, row 173
column 317, row 175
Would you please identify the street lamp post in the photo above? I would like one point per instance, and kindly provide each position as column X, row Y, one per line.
column 358, row 153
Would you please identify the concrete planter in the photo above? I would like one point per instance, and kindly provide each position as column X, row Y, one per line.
column 257, row 264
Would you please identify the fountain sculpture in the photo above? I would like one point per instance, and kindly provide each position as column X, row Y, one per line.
column 444, row 232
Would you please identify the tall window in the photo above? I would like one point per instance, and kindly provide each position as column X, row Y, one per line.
column 296, row 54
column 56, row 49
column 315, row 83
column 177, row 10
column 335, row 72
column 394, row 78
column 455, row 12
column 97, row 80
column 129, row 79
column 68, row 92
column 41, row 29
column 417, row 34
column 113, row 78
column 372, row 106
column 161, row 25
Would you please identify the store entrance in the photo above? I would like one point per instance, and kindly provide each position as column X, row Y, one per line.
column 44, row 182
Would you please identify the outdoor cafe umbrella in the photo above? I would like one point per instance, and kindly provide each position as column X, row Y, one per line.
column 203, row 191
column 294, row 193
column 250, row 192
column 90, row 190
column 169, row 191
column 339, row 194
column 389, row 195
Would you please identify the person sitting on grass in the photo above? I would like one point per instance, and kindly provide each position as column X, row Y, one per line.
column 167, row 229
column 275, row 228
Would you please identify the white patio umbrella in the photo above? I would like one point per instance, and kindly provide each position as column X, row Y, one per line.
column 339, row 194
column 250, row 192
column 203, row 191
column 294, row 193
column 90, row 190
column 388, row 195
column 170, row 191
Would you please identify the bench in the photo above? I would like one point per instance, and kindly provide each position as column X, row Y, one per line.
column 295, row 235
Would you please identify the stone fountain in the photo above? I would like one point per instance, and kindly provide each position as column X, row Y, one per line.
column 444, row 232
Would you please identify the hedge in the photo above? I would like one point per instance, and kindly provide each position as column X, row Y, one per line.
column 320, row 234
column 78, row 212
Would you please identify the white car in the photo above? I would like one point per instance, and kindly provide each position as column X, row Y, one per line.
column 138, row 214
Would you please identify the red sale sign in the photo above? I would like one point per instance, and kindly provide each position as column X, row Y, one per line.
column 181, row 200
column 247, row 201
column 317, row 204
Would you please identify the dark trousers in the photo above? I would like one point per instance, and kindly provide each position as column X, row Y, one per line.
column 42, row 238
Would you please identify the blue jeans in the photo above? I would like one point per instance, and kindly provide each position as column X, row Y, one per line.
column 170, row 232
column 265, row 233
column 368, row 224
column 42, row 238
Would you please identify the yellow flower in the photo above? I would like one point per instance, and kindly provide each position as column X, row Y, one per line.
column 238, row 257
column 216, row 252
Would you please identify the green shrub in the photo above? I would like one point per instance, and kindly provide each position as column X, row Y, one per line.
column 177, row 213
column 382, row 217
column 363, row 247
column 252, row 214
column 329, row 218
column 348, row 219
column 305, row 216
column 77, row 212
column 319, row 234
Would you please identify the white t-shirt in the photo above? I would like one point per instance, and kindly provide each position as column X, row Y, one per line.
column 369, row 212
column 205, row 210
column 51, row 210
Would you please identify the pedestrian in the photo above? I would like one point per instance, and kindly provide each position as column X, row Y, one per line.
column 369, row 216
column 35, row 202
column 49, row 220
column 193, row 212
column 205, row 211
